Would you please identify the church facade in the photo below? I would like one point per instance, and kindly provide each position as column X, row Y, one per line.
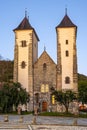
column 40, row 75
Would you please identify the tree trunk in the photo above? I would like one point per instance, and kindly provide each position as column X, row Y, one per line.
column 66, row 107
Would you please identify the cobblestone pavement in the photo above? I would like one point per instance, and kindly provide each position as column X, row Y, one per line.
column 30, row 122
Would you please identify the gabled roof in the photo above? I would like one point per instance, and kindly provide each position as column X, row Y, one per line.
column 66, row 22
column 25, row 25
column 45, row 54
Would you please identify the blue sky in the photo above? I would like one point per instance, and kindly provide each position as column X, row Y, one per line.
column 44, row 16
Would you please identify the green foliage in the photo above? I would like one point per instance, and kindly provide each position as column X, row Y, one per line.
column 82, row 88
column 82, row 91
column 82, row 77
column 12, row 94
column 6, row 70
column 5, row 98
column 65, row 97
column 63, row 114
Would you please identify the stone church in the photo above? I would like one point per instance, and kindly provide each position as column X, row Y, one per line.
column 40, row 75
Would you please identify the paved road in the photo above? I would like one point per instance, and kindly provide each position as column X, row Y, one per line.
column 30, row 122
column 44, row 120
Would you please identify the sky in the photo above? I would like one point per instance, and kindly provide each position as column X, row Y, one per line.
column 44, row 16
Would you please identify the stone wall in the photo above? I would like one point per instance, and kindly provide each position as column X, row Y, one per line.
column 44, row 73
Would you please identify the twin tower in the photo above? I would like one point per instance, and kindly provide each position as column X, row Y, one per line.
column 40, row 75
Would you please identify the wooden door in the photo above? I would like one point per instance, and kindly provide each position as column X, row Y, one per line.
column 44, row 106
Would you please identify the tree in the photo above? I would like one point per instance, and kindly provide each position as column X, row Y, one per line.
column 6, row 71
column 65, row 97
column 19, row 94
column 82, row 91
column 5, row 98
column 12, row 94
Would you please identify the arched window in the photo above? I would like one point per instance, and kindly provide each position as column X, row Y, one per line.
column 42, row 88
column 23, row 64
column 44, row 66
column 47, row 88
column 53, row 99
column 67, row 53
column 67, row 80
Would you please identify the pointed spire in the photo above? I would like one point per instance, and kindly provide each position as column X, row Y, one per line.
column 66, row 11
column 25, row 25
column 26, row 12
column 28, row 17
column 44, row 48
column 66, row 21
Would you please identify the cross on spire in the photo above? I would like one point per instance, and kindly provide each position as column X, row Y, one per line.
column 66, row 10
column 25, row 12
column 44, row 48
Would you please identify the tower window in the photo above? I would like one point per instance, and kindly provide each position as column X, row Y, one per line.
column 67, row 80
column 67, row 53
column 66, row 41
column 23, row 43
column 23, row 64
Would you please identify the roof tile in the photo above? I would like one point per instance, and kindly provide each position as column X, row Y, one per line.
column 66, row 22
column 24, row 25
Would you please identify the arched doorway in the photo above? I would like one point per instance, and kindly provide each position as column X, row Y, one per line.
column 44, row 106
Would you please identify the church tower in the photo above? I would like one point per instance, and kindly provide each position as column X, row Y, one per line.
column 25, row 54
column 66, row 55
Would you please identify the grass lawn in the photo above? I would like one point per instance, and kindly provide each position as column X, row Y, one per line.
column 83, row 115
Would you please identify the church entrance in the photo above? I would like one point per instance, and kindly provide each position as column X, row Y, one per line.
column 44, row 106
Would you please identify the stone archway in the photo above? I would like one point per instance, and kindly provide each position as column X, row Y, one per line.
column 44, row 106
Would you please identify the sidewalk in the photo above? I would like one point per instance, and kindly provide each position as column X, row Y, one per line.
column 30, row 122
column 44, row 120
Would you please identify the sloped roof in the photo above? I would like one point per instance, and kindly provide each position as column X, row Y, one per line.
column 66, row 22
column 45, row 54
column 25, row 25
